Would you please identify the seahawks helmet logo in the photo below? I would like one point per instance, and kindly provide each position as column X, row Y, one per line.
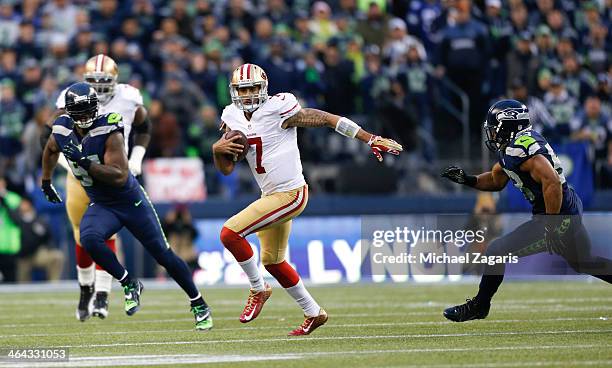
column 512, row 114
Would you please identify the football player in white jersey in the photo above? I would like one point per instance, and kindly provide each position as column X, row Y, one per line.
column 102, row 73
column 270, row 123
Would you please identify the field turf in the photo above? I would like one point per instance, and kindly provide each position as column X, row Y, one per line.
column 531, row 324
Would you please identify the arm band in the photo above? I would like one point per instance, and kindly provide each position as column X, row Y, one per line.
column 347, row 127
column 471, row 180
column 144, row 127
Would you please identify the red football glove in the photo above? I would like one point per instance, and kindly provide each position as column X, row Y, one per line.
column 379, row 144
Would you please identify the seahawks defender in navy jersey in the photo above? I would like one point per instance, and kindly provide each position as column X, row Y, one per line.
column 528, row 160
column 93, row 145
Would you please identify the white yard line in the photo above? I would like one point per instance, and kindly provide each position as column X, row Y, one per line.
column 500, row 308
column 174, row 359
column 332, row 338
column 328, row 326
column 497, row 306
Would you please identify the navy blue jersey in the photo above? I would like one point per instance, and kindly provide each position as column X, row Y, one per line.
column 93, row 147
column 527, row 144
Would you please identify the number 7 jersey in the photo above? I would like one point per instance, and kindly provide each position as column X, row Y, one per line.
column 274, row 156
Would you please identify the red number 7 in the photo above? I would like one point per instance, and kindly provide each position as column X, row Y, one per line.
column 256, row 141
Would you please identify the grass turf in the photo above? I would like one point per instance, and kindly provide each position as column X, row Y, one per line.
column 557, row 324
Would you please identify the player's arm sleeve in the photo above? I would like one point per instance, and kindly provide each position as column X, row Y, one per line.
column 288, row 106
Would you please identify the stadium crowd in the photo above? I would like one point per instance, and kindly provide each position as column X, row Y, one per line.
column 381, row 62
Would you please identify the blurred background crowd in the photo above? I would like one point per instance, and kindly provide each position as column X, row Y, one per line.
column 421, row 71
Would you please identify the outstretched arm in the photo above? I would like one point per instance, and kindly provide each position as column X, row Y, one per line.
column 313, row 118
column 490, row 181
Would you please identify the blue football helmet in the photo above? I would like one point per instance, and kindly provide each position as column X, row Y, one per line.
column 504, row 120
column 82, row 104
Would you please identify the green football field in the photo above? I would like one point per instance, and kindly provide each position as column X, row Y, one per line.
column 531, row 324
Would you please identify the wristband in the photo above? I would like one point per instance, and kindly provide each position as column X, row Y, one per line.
column 46, row 183
column 138, row 153
column 471, row 180
column 347, row 127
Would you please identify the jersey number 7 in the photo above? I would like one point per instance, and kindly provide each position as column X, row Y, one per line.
column 256, row 141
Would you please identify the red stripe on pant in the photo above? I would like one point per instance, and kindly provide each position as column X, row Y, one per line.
column 251, row 227
column 286, row 275
column 110, row 243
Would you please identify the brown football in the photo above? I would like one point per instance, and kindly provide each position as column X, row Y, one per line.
column 242, row 140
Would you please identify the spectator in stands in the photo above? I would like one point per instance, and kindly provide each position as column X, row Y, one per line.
column 399, row 41
column 26, row 46
column 598, row 46
column 63, row 16
column 12, row 117
column 522, row 62
column 337, row 79
column 106, row 19
column 9, row 24
column 540, row 117
column 10, row 233
column 519, row 18
column 416, row 79
column 321, row 24
column 373, row 29
column 32, row 149
column 37, row 248
column 500, row 31
column 591, row 125
column 182, row 98
column 310, row 79
column 464, row 58
column 181, row 233
column 545, row 43
column 579, row 81
column 562, row 106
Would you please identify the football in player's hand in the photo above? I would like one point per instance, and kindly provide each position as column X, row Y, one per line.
column 242, row 140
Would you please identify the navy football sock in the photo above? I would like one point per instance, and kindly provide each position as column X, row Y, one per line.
column 178, row 270
column 488, row 286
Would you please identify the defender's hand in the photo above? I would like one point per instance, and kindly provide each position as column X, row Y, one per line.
column 228, row 146
column 72, row 152
column 379, row 144
column 455, row 174
column 50, row 192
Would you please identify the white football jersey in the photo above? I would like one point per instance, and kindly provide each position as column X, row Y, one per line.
column 274, row 156
column 125, row 101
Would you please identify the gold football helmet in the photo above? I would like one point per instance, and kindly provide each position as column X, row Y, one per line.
column 101, row 72
column 247, row 76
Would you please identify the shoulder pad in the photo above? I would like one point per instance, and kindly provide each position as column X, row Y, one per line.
column 63, row 125
column 113, row 118
column 129, row 93
column 524, row 141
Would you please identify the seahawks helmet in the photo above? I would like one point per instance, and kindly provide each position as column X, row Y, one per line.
column 82, row 104
column 504, row 120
